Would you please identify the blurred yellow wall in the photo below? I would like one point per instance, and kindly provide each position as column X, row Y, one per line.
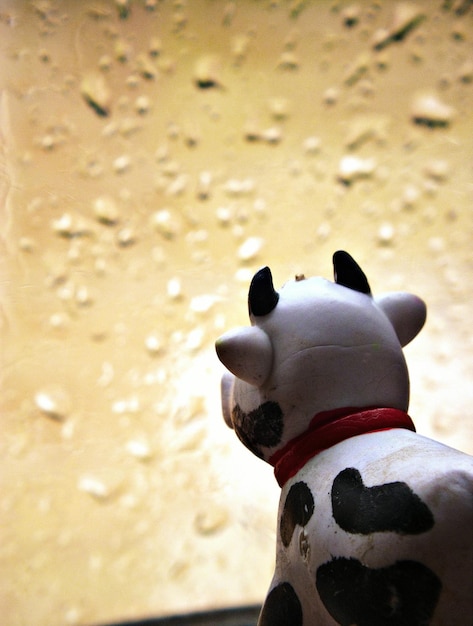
column 154, row 155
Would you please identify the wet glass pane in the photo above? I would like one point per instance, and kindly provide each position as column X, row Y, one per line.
column 154, row 154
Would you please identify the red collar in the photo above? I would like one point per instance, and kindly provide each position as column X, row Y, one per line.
column 331, row 427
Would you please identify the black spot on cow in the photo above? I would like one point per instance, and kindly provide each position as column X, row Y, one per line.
column 390, row 507
column 281, row 608
column 262, row 427
column 404, row 594
column 298, row 509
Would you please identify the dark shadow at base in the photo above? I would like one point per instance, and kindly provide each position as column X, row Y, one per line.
column 240, row 616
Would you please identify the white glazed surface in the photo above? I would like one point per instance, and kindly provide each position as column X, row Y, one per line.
column 443, row 480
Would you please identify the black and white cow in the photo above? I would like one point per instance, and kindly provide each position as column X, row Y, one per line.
column 375, row 523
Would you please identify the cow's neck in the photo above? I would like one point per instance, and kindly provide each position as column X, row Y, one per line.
column 329, row 428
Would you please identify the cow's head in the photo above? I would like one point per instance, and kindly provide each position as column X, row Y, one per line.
column 314, row 346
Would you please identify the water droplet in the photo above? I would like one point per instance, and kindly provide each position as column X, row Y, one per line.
column 436, row 244
column 465, row 73
column 204, row 185
column 126, row 405
column 83, row 296
column 324, row 231
column 173, row 131
column 107, row 374
column 59, row 321
column 174, row 288
column 69, row 225
column 146, row 67
column 165, row 224
column 106, row 210
column 365, row 128
column 272, row 135
column 243, row 275
column 26, row 244
column 96, row 93
column 239, row 48
column 73, row 616
column 126, row 237
column 121, row 164
column 279, row 108
column 155, row 47
column 105, row 63
column 252, row 131
column 48, row 142
column 142, row 105
column 68, row 429
column 312, row 145
column 94, row 487
column 154, row 343
column 228, row 13
column 289, row 61
column 224, row 215
column 235, row 187
column 213, row 519
column 330, row 96
column 351, row 15
column 410, row 197
column 250, row 248
column 357, row 69
column 192, row 135
column 207, row 72
column 352, row 168
column 203, row 303
column 406, row 17
column 53, row 401
column 438, row 170
column 194, row 339
column 123, row 7
column 139, row 449
column 386, row 233
column 427, row 109
column 178, row 185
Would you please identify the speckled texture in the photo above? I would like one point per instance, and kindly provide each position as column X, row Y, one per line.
column 153, row 156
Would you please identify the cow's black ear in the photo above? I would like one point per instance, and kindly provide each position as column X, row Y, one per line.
column 262, row 298
column 348, row 273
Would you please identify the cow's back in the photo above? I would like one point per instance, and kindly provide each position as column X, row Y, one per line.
column 376, row 531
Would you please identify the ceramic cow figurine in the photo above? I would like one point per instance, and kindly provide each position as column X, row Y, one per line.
column 375, row 522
